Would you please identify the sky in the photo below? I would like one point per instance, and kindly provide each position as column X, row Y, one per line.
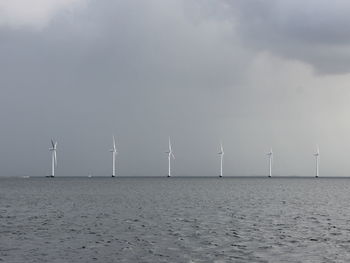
column 253, row 74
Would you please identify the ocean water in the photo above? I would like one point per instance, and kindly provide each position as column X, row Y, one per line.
column 174, row 220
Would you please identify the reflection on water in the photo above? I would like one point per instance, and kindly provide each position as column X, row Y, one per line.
column 174, row 220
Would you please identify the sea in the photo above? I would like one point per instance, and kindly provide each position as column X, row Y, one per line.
column 174, row 220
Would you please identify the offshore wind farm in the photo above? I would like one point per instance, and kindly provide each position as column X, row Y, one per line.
column 185, row 131
column 171, row 156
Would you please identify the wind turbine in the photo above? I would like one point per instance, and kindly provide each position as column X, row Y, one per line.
column 270, row 155
column 317, row 157
column 53, row 157
column 221, row 153
column 114, row 153
column 170, row 154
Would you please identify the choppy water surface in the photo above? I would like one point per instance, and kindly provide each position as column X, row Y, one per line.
column 174, row 220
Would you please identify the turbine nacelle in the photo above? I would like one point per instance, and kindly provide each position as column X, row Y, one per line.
column 170, row 154
column 270, row 154
column 114, row 149
column 54, row 149
column 54, row 145
column 170, row 151
column 317, row 153
column 221, row 149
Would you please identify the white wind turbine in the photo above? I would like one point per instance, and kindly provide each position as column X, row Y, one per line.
column 221, row 153
column 317, row 157
column 53, row 157
column 114, row 153
column 270, row 155
column 170, row 154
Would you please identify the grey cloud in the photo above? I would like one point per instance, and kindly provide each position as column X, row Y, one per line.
column 141, row 70
column 146, row 70
column 34, row 14
column 312, row 31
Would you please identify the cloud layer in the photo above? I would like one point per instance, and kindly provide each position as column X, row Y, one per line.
column 312, row 31
column 33, row 14
column 198, row 71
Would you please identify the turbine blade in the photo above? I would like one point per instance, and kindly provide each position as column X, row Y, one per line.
column 114, row 143
column 52, row 143
column 173, row 156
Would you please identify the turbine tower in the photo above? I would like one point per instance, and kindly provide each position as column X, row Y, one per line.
column 53, row 157
column 170, row 155
column 270, row 155
column 221, row 153
column 114, row 153
column 317, row 156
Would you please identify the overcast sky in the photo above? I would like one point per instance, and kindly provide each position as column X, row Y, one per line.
column 254, row 74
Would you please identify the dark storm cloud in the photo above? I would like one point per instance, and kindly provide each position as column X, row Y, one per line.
column 313, row 31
